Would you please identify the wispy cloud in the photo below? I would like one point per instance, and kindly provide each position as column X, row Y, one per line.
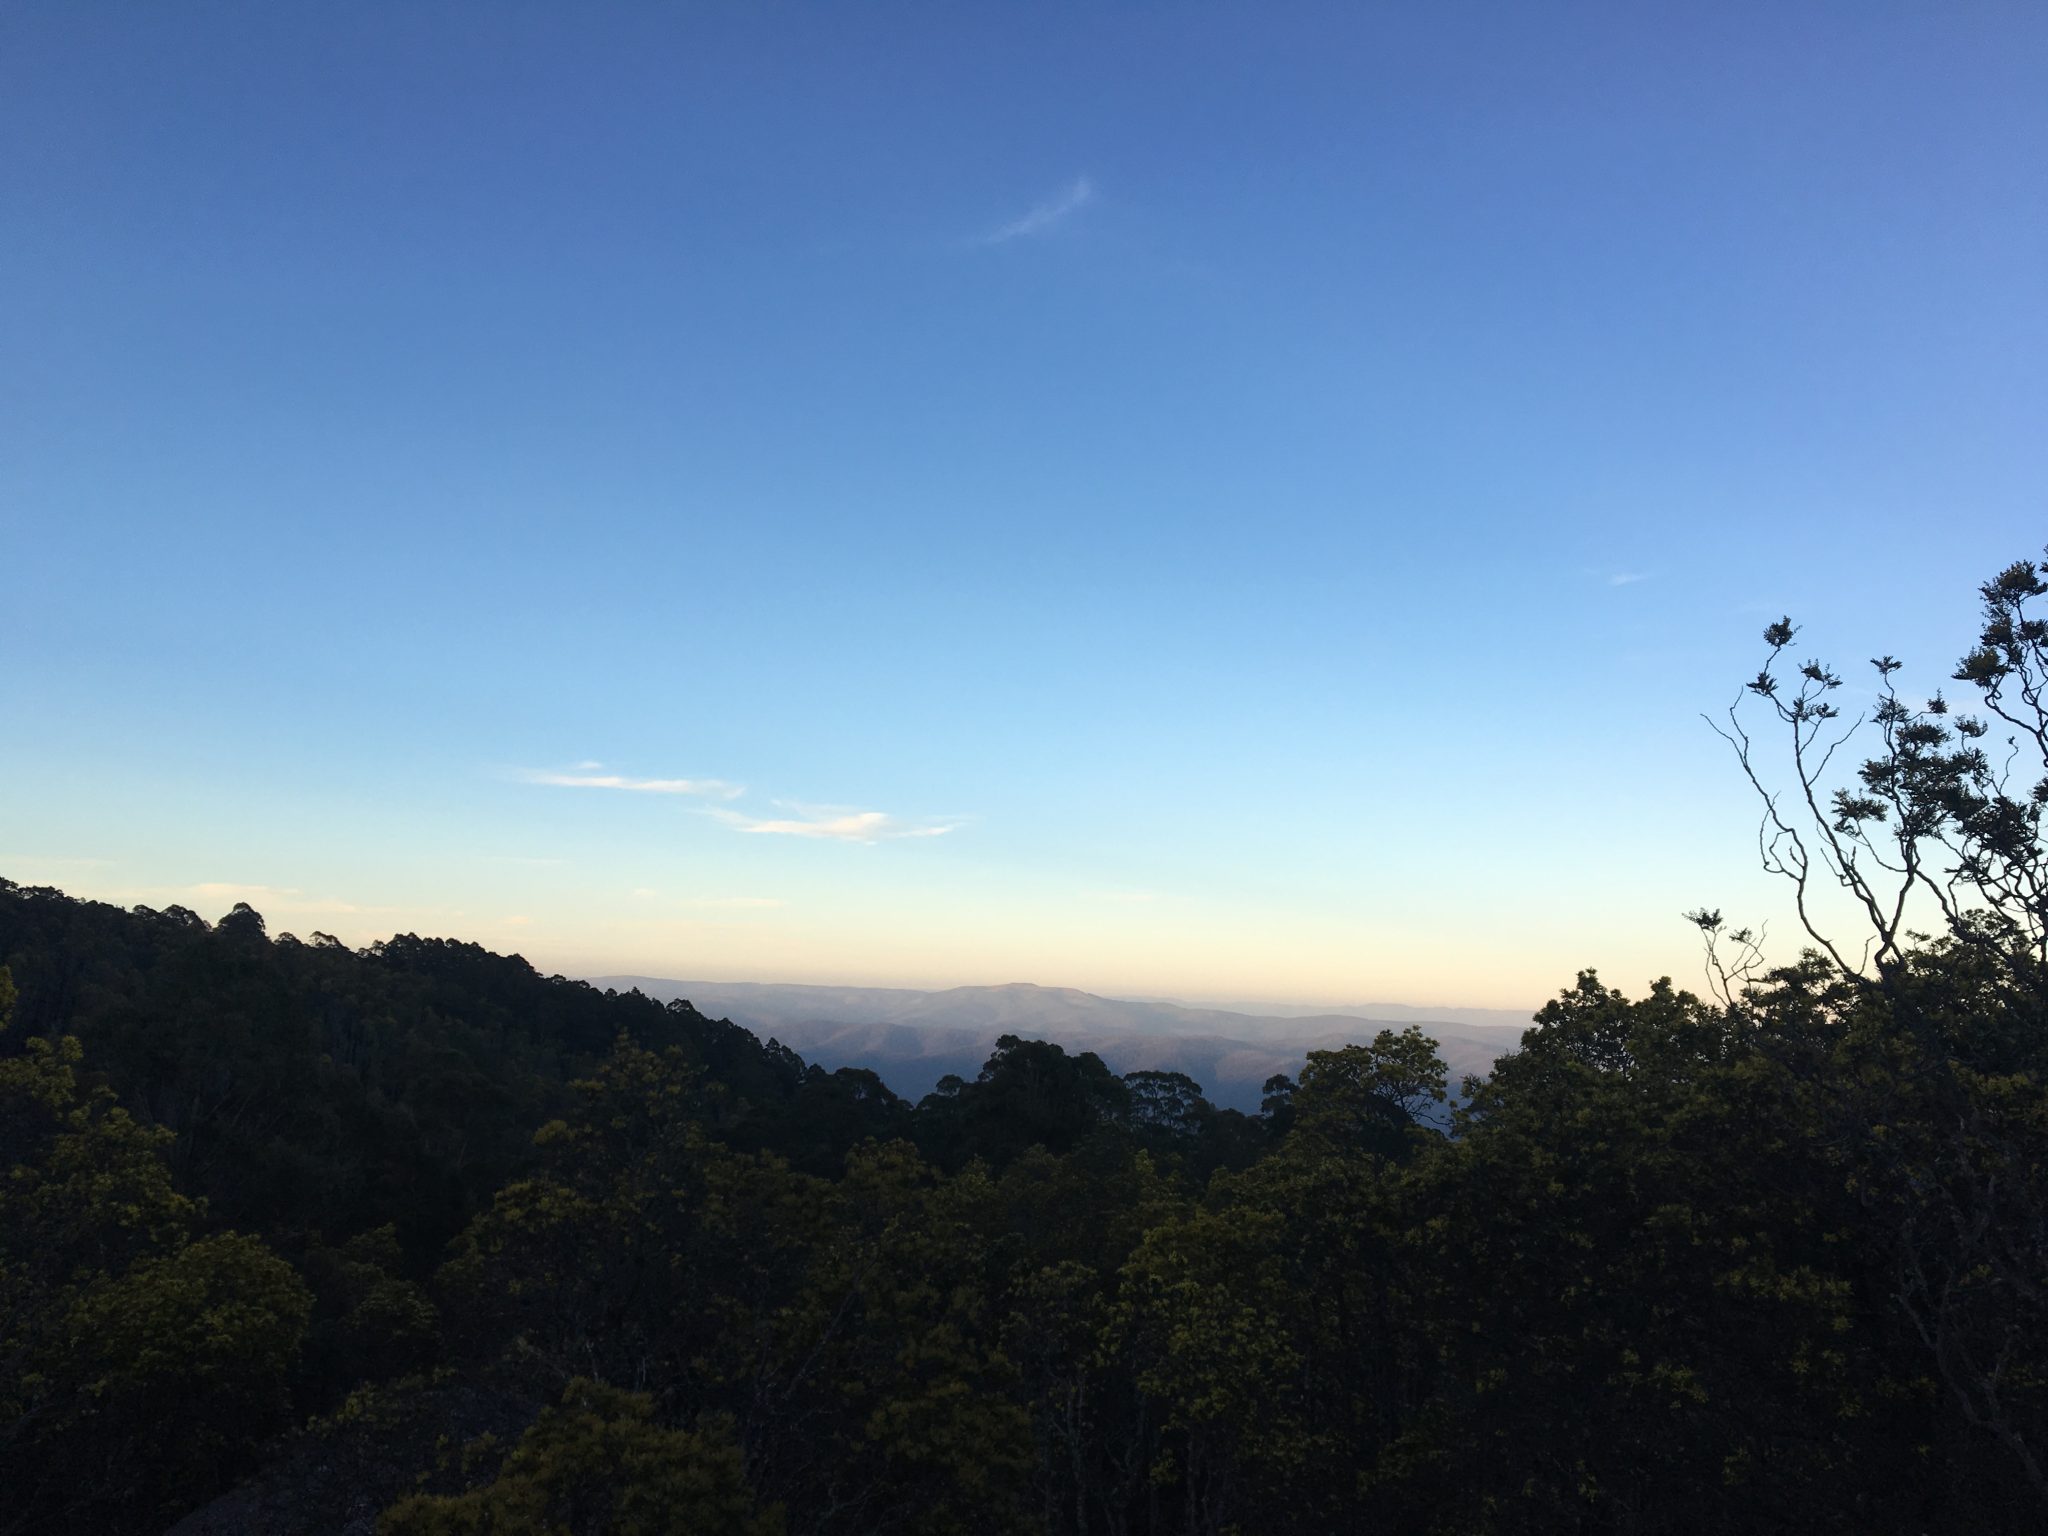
column 709, row 789
column 832, row 822
column 1047, row 215
column 837, row 824
column 1627, row 578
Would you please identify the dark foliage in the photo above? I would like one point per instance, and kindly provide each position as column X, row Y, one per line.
column 417, row 1230
column 318, row 1093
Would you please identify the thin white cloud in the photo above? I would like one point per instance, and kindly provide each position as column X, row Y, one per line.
column 1048, row 215
column 709, row 789
column 836, row 824
column 1627, row 578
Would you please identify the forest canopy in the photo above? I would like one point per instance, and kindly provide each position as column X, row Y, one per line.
column 295, row 1237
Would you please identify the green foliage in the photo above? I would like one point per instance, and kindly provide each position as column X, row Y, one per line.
column 598, row 1465
column 371, row 1322
column 316, row 1093
column 1376, row 1096
column 1029, row 1094
column 1205, row 1314
column 1632, row 1223
column 843, row 1329
column 140, row 1364
column 181, row 1364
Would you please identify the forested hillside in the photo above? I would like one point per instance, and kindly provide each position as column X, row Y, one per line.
column 526, row 1246
column 416, row 1240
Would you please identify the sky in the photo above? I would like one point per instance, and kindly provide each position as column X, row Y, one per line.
column 1243, row 500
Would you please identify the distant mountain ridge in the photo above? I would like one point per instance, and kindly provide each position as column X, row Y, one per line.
column 1380, row 1013
column 912, row 1038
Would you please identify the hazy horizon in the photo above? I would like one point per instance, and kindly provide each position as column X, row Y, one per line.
column 344, row 921
column 1249, row 1006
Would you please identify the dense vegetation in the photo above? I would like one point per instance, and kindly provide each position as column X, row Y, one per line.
column 414, row 1238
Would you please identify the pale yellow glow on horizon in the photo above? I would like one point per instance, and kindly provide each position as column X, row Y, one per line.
column 1112, row 944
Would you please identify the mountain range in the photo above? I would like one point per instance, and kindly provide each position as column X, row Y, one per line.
column 912, row 1038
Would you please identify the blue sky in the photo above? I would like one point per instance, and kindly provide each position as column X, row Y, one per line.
column 1205, row 499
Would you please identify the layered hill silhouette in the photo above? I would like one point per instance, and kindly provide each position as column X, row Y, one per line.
column 912, row 1038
